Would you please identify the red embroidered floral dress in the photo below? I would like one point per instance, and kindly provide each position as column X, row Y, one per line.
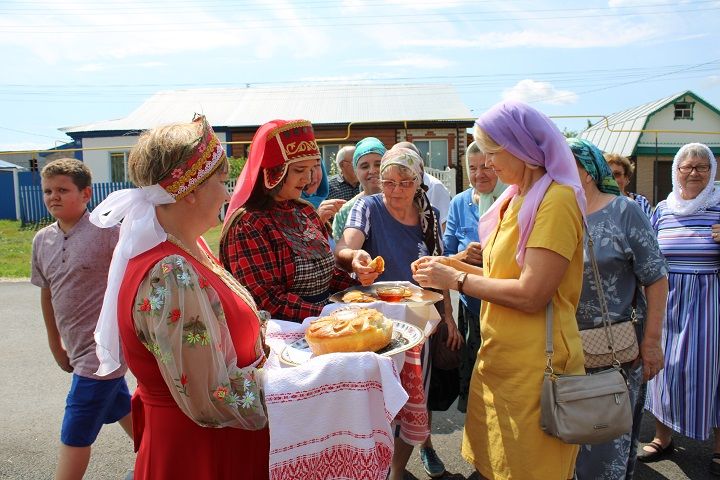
column 194, row 346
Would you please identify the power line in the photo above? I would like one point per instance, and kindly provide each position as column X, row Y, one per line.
column 457, row 80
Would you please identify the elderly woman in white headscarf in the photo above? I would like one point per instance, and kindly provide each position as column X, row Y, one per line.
column 461, row 240
column 684, row 395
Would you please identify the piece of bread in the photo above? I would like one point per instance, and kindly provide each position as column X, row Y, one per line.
column 377, row 264
column 356, row 296
column 349, row 330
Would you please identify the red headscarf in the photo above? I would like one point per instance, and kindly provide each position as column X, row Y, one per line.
column 274, row 147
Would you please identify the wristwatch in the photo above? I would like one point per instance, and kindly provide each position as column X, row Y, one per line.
column 461, row 281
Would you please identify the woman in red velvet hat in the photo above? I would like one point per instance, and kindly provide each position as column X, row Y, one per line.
column 190, row 332
column 272, row 241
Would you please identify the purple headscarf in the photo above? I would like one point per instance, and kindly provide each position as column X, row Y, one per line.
column 533, row 138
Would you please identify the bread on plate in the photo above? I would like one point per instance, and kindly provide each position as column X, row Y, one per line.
column 349, row 330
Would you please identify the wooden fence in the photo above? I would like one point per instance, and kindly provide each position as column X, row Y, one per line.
column 32, row 207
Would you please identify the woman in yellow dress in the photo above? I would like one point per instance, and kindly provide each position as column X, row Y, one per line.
column 532, row 254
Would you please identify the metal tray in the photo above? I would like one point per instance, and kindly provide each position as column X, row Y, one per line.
column 420, row 296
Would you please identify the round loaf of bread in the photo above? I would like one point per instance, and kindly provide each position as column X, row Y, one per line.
column 349, row 330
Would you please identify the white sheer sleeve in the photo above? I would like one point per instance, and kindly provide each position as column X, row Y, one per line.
column 179, row 319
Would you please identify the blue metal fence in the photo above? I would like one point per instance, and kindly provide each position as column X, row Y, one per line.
column 32, row 208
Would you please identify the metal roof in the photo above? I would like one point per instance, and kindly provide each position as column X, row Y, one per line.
column 324, row 104
column 10, row 166
column 611, row 135
column 621, row 132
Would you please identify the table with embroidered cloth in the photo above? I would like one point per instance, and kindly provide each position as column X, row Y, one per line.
column 332, row 416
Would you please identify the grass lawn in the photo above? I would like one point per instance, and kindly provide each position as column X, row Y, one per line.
column 15, row 249
column 212, row 237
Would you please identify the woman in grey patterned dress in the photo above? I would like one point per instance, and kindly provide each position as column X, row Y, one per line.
column 628, row 258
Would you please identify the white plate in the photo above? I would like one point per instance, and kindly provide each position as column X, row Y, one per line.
column 405, row 336
column 419, row 295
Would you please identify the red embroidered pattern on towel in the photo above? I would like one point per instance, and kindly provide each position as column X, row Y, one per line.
column 413, row 417
column 341, row 461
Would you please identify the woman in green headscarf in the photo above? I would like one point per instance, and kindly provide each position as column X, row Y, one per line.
column 629, row 261
column 461, row 240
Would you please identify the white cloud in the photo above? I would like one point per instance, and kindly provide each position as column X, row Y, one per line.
column 711, row 81
column 99, row 33
column 354, row 78
column 98, row 67
column 414, row 61
column 569, row 37
column 357, row 6
column 531, row 91
column 641, row 3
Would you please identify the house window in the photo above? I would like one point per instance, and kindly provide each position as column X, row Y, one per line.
column 118, row 166
column 684, row 110
column 434, row 153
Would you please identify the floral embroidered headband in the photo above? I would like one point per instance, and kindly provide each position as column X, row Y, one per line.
column 207, row 155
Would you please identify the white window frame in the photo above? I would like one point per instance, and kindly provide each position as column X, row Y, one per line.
column 683, row 110
column 433, row 145
column 125, row 165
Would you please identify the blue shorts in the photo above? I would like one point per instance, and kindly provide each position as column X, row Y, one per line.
column 90, row 404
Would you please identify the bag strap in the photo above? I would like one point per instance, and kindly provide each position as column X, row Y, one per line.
column 549, row 337
column 603, row 309
column 601, row 297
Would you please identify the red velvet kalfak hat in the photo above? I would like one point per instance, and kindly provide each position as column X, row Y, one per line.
column 274, row 147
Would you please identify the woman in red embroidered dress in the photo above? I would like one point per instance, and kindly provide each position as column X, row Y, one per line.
column 190, row 333
column 272, row 241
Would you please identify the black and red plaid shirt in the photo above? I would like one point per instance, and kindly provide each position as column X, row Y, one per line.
column 257, row 253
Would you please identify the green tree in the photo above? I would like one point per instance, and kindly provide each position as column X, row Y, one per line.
column 236, row 166
column 570, row 133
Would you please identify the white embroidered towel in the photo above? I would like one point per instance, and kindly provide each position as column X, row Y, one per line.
column 330, row 418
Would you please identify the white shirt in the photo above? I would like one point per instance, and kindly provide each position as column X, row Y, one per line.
column 438, row 195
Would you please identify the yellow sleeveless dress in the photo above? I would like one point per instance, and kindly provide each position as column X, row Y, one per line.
column 502, row 436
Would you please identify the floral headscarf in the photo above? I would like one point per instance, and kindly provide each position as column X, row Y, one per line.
column 428, row 220
column 592, row 160
column 708, row 197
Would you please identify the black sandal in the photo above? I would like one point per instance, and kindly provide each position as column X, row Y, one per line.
column 659, row 453
column 715, row 465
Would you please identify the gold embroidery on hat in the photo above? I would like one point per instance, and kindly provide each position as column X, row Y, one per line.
column 295, row 148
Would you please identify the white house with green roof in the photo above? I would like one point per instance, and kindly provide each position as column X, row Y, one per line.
column 652, row 133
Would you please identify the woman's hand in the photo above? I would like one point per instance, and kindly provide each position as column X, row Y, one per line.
column 454, row 340
column 473, row 254
column 716, row 232
column 652, row 357
column 432, row 272
column 328, row 208
column 365, row 274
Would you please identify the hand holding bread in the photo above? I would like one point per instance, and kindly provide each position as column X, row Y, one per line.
column 361, row 266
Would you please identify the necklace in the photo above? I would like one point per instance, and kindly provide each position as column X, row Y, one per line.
column 231, row 282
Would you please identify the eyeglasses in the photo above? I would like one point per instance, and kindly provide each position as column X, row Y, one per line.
column 392, row 185
column 704, row 168
column 618, row 174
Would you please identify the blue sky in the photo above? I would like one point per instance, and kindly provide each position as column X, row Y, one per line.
column 73, row 62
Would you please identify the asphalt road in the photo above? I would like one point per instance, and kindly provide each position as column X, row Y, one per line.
column 33, row 395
